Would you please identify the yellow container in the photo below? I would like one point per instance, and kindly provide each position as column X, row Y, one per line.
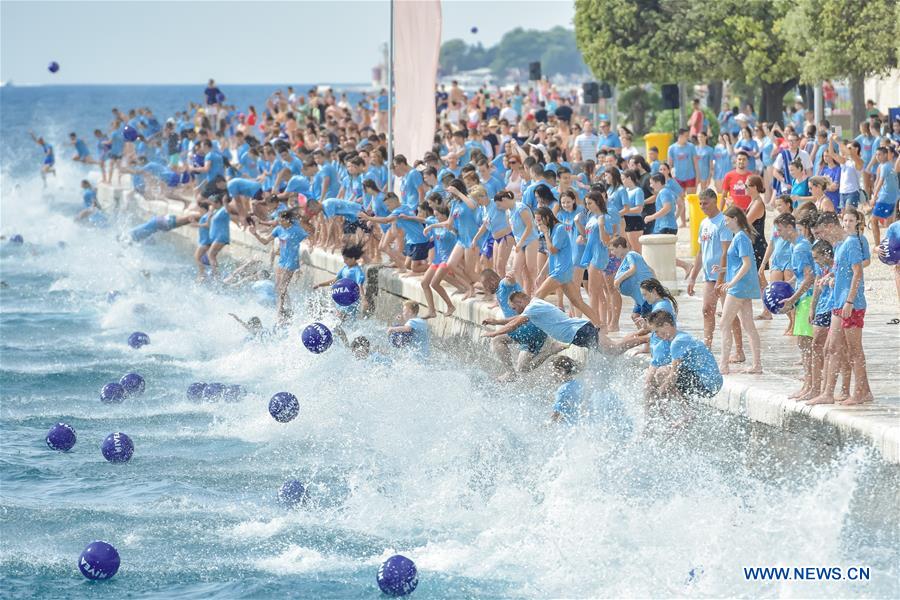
column 662, row 141
column 695, row 216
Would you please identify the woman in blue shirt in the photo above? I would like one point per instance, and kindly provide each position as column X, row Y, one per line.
column 560, row 266
column 596, row 258
column 741, row 287
column 526, row 237
column 722, row 159
column 748, row 145
column 659, row 298
column 289, row 235
column 704, row 162
column 203, row 243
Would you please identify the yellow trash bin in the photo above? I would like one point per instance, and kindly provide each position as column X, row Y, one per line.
column 695, row 217
column 662, row 141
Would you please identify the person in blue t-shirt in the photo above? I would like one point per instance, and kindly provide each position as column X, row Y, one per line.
column 82, row 154
column 290, row 235
column 89, row 201
column 444, row 239
column 219, row 231
column 633, row 271
column 351, row 270
column 412, row 186
column 820, row 315
column 416, row 328
column 741, row 287
column 568, row 397
column 682, row 155
column 49, row 159
column 693, row 373
column 201, row 259
column 534, row 348
column 416, row 245
column 663, row 218
column 777, row 256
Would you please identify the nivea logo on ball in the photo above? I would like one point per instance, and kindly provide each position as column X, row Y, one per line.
column 117, row 448
column 284, row 406
column 317, row 338
column 99, row 560
column 345, row 292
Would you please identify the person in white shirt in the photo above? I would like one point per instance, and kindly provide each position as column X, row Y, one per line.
column 779, row 168
column 587, row 142
column 509, row 113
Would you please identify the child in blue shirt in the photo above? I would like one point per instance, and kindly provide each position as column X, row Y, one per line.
column 415, row 327
column 354, row 272
column 632, row 272
column 568, row 397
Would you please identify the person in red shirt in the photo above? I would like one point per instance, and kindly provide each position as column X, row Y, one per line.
column 695, row 123
column 734, row 186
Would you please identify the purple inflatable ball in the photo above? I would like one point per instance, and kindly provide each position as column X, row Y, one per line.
column 117, row 448
column 133, row 384
column 53, row 67
column 344, row 292
column 213, row 392
column 775, row 294
column 16, row 239
column 99, row 560
column 61, row 437
column 398, row 576
column 317, row 338
column 195, row 391
column 129, row 133
column 474, row 30
column 284, row 406
column 233, row 393
column 112, row 393
column 138, row 339
column 292, row 493
column 889, row 250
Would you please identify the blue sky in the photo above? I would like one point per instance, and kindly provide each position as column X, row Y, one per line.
column 240, row 42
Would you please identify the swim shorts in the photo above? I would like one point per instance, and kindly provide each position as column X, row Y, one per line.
column 801, row 317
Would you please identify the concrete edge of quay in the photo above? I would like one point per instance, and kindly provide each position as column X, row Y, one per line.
column 760, row 400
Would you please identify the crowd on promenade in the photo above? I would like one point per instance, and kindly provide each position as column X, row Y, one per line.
column 521, row 201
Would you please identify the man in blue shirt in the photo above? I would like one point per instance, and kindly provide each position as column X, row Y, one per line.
column 412, row 188
column 82, row 154
column 683, row 158
column 609, row 140
column 534, row 348
column 693, row 372
column 664, row 218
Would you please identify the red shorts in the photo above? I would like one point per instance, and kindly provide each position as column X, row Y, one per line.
column 686, row 183
column 437, row 266
column 856, row 318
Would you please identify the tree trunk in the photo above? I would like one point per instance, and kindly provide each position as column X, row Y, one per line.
column 639, row 114
column 807, row 93
column 857, row 100
column 772, row 103
column 714, row 99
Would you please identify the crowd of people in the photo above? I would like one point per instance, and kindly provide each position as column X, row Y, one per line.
column 522, row 202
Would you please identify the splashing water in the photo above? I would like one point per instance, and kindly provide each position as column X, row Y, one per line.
column 459, row 473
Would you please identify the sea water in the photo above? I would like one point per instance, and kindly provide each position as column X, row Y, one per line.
column 438, row 463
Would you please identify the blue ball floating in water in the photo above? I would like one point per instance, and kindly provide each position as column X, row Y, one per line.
column 775, row 294
column 401, row 338
column 397, row 576
column 138, row 339
column 133, row 384
column 233, row 393
column 317, row 338
column 344, row 292
column 117, row 448
column 53, row 67
column 61, row 437
column 213, row 391
column 16, row 239
column 284, row 406
column 112, row 393
column 130, row 133
column 195, row 391
column 474, row 30
column 99, row 560
column 291, row 493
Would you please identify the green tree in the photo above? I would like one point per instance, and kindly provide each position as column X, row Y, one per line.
column 825, row 36
column 453, row 55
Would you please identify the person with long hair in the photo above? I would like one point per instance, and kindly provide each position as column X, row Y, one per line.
column 633, row 210
column 526, row 238
column 741, row 287
column 559, row 271
column 595, row 257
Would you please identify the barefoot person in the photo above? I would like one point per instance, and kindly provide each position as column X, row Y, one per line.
column 741, row 287
column 289, row 235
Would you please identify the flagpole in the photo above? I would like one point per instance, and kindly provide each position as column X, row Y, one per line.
column 390, row 93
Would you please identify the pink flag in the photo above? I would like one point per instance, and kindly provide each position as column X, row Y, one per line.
column 417, row 45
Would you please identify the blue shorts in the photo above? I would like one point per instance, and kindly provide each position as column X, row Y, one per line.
column 822, row 319
column 613, row 265
column 852, row 199
column 49, row 160
column 883, row 210
column 416, row 251
column 487, row 247
column 642, row 309
column 531, row 342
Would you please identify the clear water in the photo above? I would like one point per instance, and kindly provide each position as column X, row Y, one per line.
column 440, row 464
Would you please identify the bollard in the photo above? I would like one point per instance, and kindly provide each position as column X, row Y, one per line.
column 659, row 251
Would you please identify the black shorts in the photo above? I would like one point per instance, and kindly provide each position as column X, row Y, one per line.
column 689, row 384
column 667, row 231
column 586, row 337
column 634, row 223
column 648, row 210
column 759, row 250
column 822, row 319
column 416, row 251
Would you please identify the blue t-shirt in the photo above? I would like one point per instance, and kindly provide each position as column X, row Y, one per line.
column 419, row 337
column 528, row 334
column 412, row 229
column 748, row 285
column 595, row 252
column 299, row 184
column 781, row 254
column 342, row 208
column 216, row 165
column 802, row 259
column 682, row 160
column 203, row 231
column 289, row 245
column 466, row 220
column 220, row 226
column 722, row 158
column 553, row 321
column 631, row 286
column 867, row 148
column 497, row 219
column 560, row 264
column 713, row 233
column 659, row 348
column 617, row 199
column 848, row 253
column 243, row 187
column 352, row 185
column 521, row 214
column 748, row 146
column 410, row 189
column 800, row 188
column 888, row 192
column 444, row 241
column 636, row 199
column 89, row 198
column 823, row 305
column 704, row 162
column 567, row 401
column 81, row 149
column 610, row 140
column 696, row 357
column 667, row 221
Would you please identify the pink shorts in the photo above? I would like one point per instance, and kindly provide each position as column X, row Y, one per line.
column 856, row 318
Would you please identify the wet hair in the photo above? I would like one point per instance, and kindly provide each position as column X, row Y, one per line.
column 653, row 285
column 618, row 242
column 542, row 192
column 736, row 213
column 354, row 251
column 827, row 218
column 807, row 222
column 564, row 365
column 660, row 318
column 823, row 248
column 412, row 305
column 785, row 220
